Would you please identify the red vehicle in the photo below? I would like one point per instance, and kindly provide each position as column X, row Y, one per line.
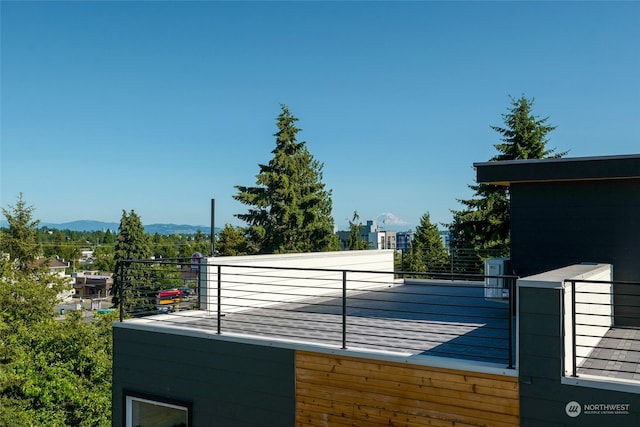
column 171, row 296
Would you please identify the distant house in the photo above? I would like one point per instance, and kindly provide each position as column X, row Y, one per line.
column 57, row 267
column 93, row 285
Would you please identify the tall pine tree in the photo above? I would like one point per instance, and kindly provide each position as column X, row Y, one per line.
column 484, row 223
column 131, row 244
column 290, row 209
column 427, row 250
column 20, row 240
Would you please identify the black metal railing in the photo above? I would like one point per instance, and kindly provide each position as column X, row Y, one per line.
column 604, row 334
column 433, row 314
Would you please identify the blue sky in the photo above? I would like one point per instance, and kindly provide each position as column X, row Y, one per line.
column 161, row 106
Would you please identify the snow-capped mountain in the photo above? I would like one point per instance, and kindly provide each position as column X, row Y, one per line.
column 389, row 221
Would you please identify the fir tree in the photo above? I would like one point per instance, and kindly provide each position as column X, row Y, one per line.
column 20, row 239
column 131, row 244
column 484, row 223
column 232, row 242
column 290, row 209
column 428, row 242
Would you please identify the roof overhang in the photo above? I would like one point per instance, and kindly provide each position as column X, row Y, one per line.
column 558, row 169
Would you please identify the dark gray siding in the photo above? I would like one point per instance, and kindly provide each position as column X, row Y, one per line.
column 543, row 398
column 555, row 224
column 229, row 384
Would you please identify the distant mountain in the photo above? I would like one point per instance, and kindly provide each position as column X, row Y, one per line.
column 89, row 225
column 389, row 221
column 176, row 229
column 83, row 225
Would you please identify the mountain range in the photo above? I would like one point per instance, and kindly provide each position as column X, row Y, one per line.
column 385, row 220
column 89, row 225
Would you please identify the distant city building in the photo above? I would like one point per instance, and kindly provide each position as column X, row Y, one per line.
column 404, row 239
column 370, row 233
column 386, row 239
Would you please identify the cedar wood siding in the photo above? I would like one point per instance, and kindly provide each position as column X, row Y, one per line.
column 345, row 391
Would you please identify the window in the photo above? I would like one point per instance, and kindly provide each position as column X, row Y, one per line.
column 143, row 410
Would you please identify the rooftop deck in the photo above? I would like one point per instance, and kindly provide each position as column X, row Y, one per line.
column 433, row 318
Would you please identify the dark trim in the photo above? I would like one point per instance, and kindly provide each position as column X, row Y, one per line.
column 156, row 398
column 559, row 169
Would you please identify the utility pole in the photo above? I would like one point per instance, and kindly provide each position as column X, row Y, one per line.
column 213, row 224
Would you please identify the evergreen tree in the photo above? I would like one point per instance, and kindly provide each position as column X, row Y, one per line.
column 103, row 258
column 232, row 242
column 355, row 242
column 290, row 209
column 108, row 238
column 483, row 225
column 20, row 239
column 131, row 244
column 429, row 244
column 414, row 261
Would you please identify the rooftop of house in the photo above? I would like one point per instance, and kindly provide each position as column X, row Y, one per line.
column 417, row 318
column 559, row 169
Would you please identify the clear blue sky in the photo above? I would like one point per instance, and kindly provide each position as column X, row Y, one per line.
column 161, row 106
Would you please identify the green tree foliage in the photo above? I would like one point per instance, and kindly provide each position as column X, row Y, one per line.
column 52, row 373
column 108, row 238
column 414, row 260
column 20, row 240
column 427, row 251
column 166, row 247
column 103, row 258
column 355, row 241
column 290, row 209
column 131, row 244
column 484, row 222
column 232, row 241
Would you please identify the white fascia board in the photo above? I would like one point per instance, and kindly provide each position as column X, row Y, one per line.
column 555, row 279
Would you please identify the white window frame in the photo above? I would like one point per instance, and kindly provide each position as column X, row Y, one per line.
column 131, row 397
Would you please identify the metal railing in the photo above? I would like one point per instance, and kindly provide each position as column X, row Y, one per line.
column 433, row 314
column 602, row 333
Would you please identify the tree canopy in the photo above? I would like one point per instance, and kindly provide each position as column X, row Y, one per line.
column 20, row 240
column 52, row 372
column 289, row 207
column 427, row 252
column 232, row 241
column 131, row 243
column 484, row 222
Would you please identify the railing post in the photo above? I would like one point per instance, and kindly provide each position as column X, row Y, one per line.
column 344, row 309
column 512, row 299
column 573, row 328
column 219, row 300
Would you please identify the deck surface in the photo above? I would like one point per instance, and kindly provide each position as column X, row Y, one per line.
column 437, row 319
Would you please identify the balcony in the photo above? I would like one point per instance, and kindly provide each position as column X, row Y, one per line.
column 603, row 330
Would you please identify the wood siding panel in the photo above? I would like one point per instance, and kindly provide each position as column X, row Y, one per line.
column 346, row 391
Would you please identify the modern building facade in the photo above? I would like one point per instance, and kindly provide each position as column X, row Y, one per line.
column 360, row 346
